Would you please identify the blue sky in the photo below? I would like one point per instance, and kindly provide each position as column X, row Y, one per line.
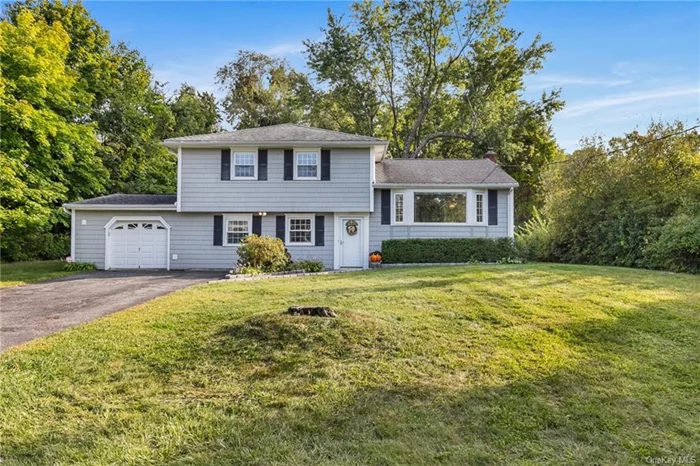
column 619, row 64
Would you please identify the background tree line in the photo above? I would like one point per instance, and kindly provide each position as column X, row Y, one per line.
column 84, row 116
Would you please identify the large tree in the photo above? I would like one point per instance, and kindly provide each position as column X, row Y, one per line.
column 435, row 68
column 47, row 154
column 261, row 91
column 195, row 112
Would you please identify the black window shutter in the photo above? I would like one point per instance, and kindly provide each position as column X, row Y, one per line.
column 225, row 164
column 280, row 227
column 325, row 164
column 262, row 164
column 218, row 230
column 257, row 225
column 493, row 207
column 386, row 206
column 320, row 227
column 288, row 164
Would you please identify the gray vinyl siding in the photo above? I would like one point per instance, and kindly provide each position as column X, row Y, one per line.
column 379, row 232
column 348, row 190
column 191, row 238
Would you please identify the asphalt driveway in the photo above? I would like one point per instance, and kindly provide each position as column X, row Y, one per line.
column 35, row 310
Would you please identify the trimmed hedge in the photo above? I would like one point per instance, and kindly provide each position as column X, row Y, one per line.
column 444, row 250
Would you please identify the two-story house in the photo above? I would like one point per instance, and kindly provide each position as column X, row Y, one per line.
column 328, row 195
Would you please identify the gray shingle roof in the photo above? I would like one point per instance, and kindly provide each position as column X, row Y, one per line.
column 441, row 171
column 276, row 134
column 130, row 199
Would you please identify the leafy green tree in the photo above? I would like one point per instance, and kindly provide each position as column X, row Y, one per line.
column 609, row 202
column 131, row 125
column 262, row 91
column 47, row 154
column 440, row 79
column 194, row 112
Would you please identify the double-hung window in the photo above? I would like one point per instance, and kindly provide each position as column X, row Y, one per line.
column 398, row 208
column 244, row 165
column 300, row 230
column 237, row 228
column 479, row 207
column 306, row 165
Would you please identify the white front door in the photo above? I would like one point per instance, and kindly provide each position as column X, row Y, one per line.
column 138, row 245
column 351, row 241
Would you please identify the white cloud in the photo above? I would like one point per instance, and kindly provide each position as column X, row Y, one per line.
column 618, row 100
column 625, row 68
column 555, row 80
column 284, row 49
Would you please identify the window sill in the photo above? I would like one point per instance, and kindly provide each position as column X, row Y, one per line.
column 298, row 244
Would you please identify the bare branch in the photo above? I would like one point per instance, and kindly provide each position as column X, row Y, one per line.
column 441, row 135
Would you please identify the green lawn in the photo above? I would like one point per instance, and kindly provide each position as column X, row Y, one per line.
column 512, row 364
column 20, row 273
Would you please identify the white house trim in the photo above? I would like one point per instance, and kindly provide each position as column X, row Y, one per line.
column 169, row 207
column 136, row 218
column 337, row 237
column 373, row 179
column 444, row 186
column 72, row 235
column 179, row 179
column 511, row 212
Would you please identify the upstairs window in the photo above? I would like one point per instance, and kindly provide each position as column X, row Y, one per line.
column 244, row 165
column 306, row 167
column 440, row 207
column 237, row 228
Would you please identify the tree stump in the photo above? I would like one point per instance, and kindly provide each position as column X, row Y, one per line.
column 316, row 311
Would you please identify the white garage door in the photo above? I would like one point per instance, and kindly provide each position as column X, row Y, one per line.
column 138, row 245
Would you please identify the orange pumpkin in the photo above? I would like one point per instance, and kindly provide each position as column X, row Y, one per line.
column 375, row 257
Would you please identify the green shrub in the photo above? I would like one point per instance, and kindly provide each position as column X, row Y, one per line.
column 79, row 267
column 678, row 246
column 533, row 239
column 439, row 250
column 307, row 266
column 264, row 253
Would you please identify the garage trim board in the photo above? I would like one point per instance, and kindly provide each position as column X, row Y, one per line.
column 117, row 221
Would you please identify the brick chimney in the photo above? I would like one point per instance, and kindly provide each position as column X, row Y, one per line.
column 491, row 155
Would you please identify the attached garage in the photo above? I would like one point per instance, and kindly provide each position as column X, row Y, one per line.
column 137, row 243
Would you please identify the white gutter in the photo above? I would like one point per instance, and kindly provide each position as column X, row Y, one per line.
column 271, row 144
column 120, row 207
column 445, row 185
